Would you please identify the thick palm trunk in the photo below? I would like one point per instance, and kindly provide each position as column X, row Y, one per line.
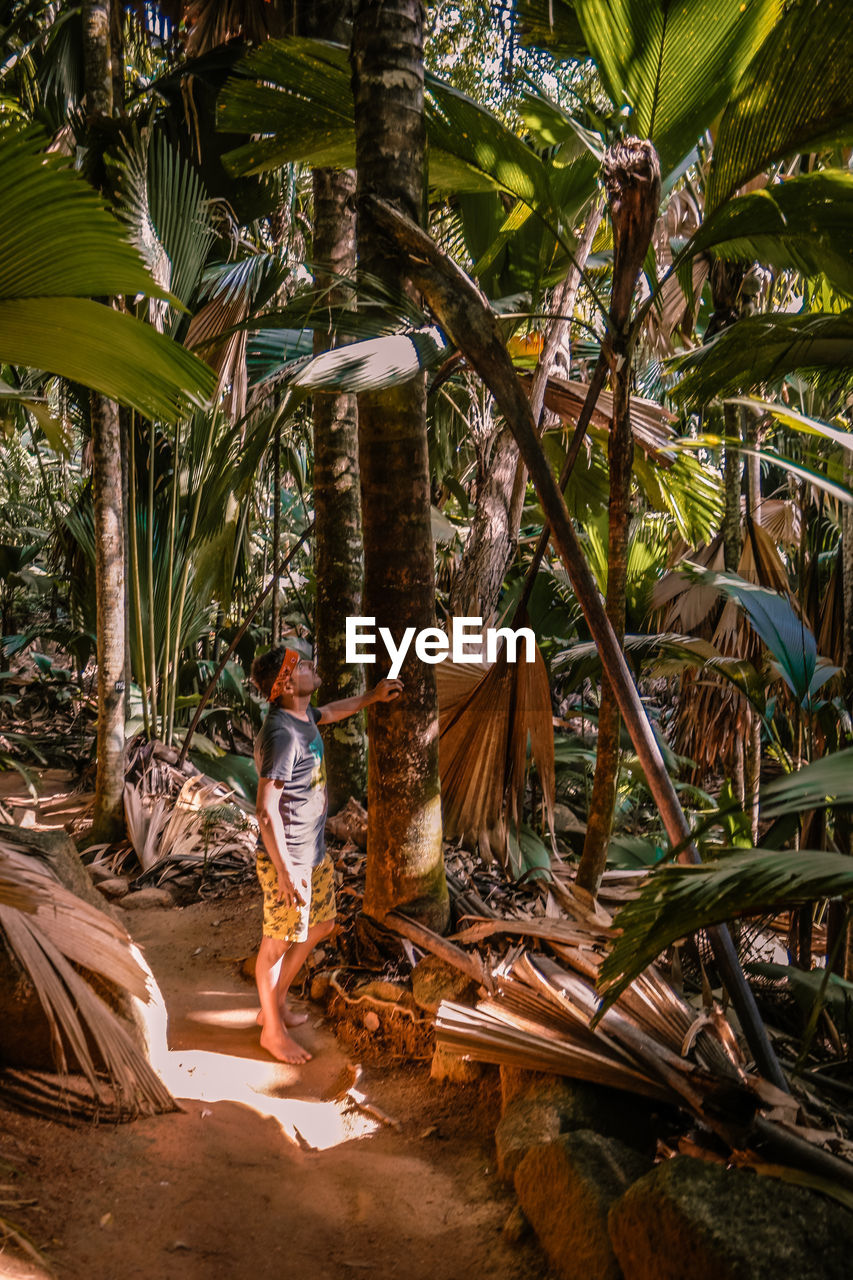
column 632, row 176
column 108, row 820
column 337, row 502
column 405, row 866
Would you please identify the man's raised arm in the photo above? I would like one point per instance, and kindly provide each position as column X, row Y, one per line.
column 385, row 691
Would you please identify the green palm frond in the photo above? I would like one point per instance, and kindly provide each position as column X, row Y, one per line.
column 810, row 475
column 674, row 65
column 797, row 96
column 295, row 93
column 802, row 224
column 62, row 248
column 551, row 25
column 163, row 202
column 117, row 355
column 676, row 901
column 666, row 653
column 824, row 783
column 58, row 238
column 764, row 348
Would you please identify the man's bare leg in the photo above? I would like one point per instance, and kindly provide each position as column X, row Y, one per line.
column 274, row 1037
column 292, row 961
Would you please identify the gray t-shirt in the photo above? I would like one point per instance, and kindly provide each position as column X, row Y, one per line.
column 290, row 750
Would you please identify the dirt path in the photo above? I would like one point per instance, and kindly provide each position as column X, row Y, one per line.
column 263, row 1174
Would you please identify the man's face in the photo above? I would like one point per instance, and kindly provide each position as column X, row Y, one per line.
column 304, row 679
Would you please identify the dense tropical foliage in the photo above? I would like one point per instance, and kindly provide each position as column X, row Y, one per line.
column 654, row 205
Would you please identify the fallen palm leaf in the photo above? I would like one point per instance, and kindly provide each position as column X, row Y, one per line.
column 145, row 823
column 50, row 941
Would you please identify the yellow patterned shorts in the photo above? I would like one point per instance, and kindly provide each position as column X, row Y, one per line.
column 291, row 924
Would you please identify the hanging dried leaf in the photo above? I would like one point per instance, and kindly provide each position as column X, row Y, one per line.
column 486, row 716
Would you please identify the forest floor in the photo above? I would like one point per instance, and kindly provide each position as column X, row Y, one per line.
column 263, row 1173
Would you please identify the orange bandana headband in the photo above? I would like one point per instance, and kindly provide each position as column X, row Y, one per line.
column 289, row 664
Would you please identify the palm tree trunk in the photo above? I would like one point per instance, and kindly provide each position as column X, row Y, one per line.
column 108, row 507
column 405, row 865
column 108, row 819
column 337, row 502
column 632, row 176
column 275, row 611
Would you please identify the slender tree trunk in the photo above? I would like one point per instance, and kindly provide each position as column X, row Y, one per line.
column 732, row 481
column 752, row 750
column 337, row 503
column 405, row 866
column 275, row 612
column 108, row 819
column 491, row 544
column 632, row 176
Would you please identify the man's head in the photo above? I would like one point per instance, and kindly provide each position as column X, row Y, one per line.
column 299, row 681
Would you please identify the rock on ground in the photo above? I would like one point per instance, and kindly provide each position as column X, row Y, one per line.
column 549, row 1106
column 150, row 897
column 434, row 980
column 566, row 1190
column 692, row 1218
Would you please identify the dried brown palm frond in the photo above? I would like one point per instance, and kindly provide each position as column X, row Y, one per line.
column 651, row 424
column 828, row 617
column 146, row 816
column 225, row 354
column 544, row 1014
column 210, row 23
column 675, row 310
column 781, row 520
column 202, row 827
column 486, row 716
column 53, row 940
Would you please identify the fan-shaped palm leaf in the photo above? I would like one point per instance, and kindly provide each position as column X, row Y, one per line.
column 676, row 901
column 761, row 349
column 675, row 65
column 797, row 96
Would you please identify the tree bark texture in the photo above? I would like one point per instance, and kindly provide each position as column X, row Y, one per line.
column 632, row 179
column 108, row 820
column 97, row 58
column 337, row 503
column 491, row 544
column 405, row 865
column 108, row 507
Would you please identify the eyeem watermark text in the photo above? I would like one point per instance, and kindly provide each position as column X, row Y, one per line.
column 467, row 642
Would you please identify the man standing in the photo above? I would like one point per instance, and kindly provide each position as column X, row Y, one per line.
column 295, row 872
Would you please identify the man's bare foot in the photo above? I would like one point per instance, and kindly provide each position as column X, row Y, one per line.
column 289, row 1017
column 283, row 1047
